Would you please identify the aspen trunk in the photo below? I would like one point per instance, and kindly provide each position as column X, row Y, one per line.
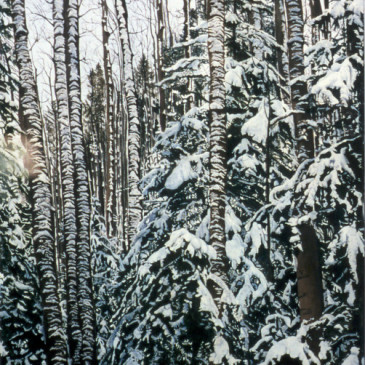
column 67, row 181
column 82, row 194
column 40, row 192
column 280, row 35
column 109, row 126
column 218, row 138
column 135, row 196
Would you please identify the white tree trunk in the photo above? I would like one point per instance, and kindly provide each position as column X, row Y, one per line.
column 82, row 194
column 43, row 238
column 218, row 136
column 67, row 180
column 109, row 180
column 135, row 196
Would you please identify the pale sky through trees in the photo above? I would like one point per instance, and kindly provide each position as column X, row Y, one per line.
column 39, row 14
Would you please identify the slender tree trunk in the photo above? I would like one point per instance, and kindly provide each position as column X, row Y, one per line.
column 305, row 146
column 309, row 277
column 82, row 194
column 186, row 37
column 218, row 138
column 256, row 21
column 168, row 30
column 135, row 196
column 186, row 29
column 40, row 191
column 269, row 266
column 160, row 59
column 282, row 58
column 109, row 180
column 68, row 189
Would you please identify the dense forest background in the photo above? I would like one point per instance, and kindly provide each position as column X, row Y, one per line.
column 181, row 182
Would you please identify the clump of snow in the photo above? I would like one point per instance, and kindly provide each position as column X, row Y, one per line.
column 203, row 230
column 337, row 9
column 221, row 352
column 257, row 236
column 293, row 347
column 3, row 351
column 342, row 77
column 188, row 168
column 353, row 358
column 207, row 303
column 254, row 285
column 235, row 249
column 233, row 223
column 193, row 245
column 183, row 240
column 350, row 238
column 256, row 127
column 181, row 173
column 357, row 7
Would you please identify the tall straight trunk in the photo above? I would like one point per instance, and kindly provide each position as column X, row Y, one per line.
column 256, row 21
column 109, row 125
column 294, row 11
column 218, row 138
column 186, row 29
column 67, row 181
column 187, row 51
column 82, row 194
column 316, row 10
column 135, row 196
column 40, row 192
column 310, row 292
column 169, row 33
column 282, row 58
column 160, row 59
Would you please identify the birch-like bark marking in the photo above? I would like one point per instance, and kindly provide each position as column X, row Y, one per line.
column 282, row 57
column 109, row 176
column 67, row 181
column 82, row 194
column 218, row 136
column 295, row 27
column 135, row 196
column 40, row 192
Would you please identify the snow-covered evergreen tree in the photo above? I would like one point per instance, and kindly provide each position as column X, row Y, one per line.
column 21, row 322
column 324, row 192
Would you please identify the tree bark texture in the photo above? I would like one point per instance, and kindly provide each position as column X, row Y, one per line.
column 218, row 136
column 135, row 196
column 82, row 194
column 160, row 71
column 295, row 26
column 109, row 125
column 40, row 191
column 67, row 181
column 280, row 36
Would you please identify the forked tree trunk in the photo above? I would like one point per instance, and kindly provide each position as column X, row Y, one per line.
column 218, row 138
column 135, row 196
column 82, row 194
column 40, row 192
column 309, row 277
